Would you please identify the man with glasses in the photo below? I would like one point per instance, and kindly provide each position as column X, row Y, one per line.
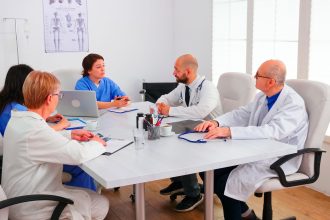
column 278, row 113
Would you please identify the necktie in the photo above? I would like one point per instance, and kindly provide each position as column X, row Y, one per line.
column 187, row 96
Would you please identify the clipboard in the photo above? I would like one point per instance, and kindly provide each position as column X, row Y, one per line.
column 122, row 110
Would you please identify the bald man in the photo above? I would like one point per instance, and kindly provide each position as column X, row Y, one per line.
column 278, row 113
column 194, row 98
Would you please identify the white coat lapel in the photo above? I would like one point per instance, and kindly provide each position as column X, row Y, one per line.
column 258, row 110
column 277, row 105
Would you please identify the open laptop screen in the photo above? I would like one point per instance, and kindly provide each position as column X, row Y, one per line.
column 78, row 103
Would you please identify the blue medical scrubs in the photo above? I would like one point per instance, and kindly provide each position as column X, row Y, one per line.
column 79, row 177
column 105, row 92
column 6, row 114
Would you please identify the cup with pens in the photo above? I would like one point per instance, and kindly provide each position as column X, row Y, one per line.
column 153, row 129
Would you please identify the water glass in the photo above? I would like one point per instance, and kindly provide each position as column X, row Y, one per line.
column 138, row 136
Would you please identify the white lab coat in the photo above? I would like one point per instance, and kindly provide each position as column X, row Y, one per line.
column 204, row 100
column 287, row 122
column 34, row 155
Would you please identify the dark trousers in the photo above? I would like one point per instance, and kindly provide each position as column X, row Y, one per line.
column 189, row 183
column 232, row 208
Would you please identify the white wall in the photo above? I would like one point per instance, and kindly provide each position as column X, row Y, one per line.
column 135, row 38
column 323, row 183
column 193, row 32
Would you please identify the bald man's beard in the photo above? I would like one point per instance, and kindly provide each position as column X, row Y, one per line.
column 183, row 79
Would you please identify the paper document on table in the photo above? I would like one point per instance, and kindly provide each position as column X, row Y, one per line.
column 122, row 110
column 116, row 145
column 76, row 123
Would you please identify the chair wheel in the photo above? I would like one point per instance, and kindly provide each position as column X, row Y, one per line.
column 132, row 197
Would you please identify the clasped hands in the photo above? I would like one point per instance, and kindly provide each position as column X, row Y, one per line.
column 214, row 131
column 121, row 101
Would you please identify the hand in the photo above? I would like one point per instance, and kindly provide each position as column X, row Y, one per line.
column 206, row 126
column 220, row 132
column 163, row 109
column 62, row 124
column 125, row 97
column 81, row 135
column 98, row 139
column 120, row 101
column 54, row 118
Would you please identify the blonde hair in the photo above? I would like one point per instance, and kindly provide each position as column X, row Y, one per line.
column 37, row 86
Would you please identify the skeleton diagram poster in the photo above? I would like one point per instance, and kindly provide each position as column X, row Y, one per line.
column 65, row 26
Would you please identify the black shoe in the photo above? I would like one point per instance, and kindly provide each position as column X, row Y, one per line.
column 189, row 203
column 174, row 187
column 252, row 216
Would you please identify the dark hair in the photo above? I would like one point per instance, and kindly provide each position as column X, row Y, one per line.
column 88, row 62
column 12, row 89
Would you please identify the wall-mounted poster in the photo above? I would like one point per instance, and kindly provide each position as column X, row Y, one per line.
column 65, row 26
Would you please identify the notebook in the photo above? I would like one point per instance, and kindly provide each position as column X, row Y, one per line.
column 78, row 103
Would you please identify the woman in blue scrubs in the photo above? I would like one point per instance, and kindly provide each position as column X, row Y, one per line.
column 11, row 98
column 108, row 93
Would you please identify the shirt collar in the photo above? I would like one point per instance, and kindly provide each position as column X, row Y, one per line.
column 22, row 114
column 196, row 82
column 272, row 99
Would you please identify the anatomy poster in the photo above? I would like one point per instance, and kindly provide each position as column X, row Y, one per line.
column 65, row 26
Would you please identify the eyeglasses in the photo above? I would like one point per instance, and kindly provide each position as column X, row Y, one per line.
column 60, row 95
column 258, row 76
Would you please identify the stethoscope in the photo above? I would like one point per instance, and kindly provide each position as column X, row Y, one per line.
column 198, row 89
column 198, row 141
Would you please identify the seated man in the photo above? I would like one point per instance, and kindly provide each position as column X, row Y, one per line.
column 197, row 98
column 278, row 113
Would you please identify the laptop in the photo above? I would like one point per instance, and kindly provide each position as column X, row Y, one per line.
column 78, row 103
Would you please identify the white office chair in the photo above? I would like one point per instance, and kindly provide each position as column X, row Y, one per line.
column 5, row 203
column 317, row 100
column 68, row 77
column 235, row 89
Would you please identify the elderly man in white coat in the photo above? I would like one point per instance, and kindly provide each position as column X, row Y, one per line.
column 277, row 113
column 34, row 154
column 197, row 98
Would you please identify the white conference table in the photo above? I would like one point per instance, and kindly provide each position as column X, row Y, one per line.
column 169, row 156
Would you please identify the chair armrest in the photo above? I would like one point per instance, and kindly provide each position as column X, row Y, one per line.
column 317, row 161
column 62, row 202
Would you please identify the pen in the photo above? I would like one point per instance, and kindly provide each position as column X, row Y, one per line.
column 159, row 121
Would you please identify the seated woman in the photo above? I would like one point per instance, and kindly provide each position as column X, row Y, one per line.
column 11, row 98
column 39, row 153
column 108, row 93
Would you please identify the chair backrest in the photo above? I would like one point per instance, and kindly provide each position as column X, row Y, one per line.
column 154, row 90
column 68, row 77
column 317, row 101
column 235, row 89
column 5, row 211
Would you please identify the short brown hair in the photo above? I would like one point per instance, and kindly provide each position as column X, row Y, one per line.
column 37, row 86
column 88, row 62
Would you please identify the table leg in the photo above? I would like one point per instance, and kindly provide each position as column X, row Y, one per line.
column 139, row 202
column 208, row 190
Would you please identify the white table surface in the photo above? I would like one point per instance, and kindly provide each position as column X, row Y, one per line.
column 170, row 156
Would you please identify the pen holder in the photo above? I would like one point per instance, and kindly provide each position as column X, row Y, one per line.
column 153, row 132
